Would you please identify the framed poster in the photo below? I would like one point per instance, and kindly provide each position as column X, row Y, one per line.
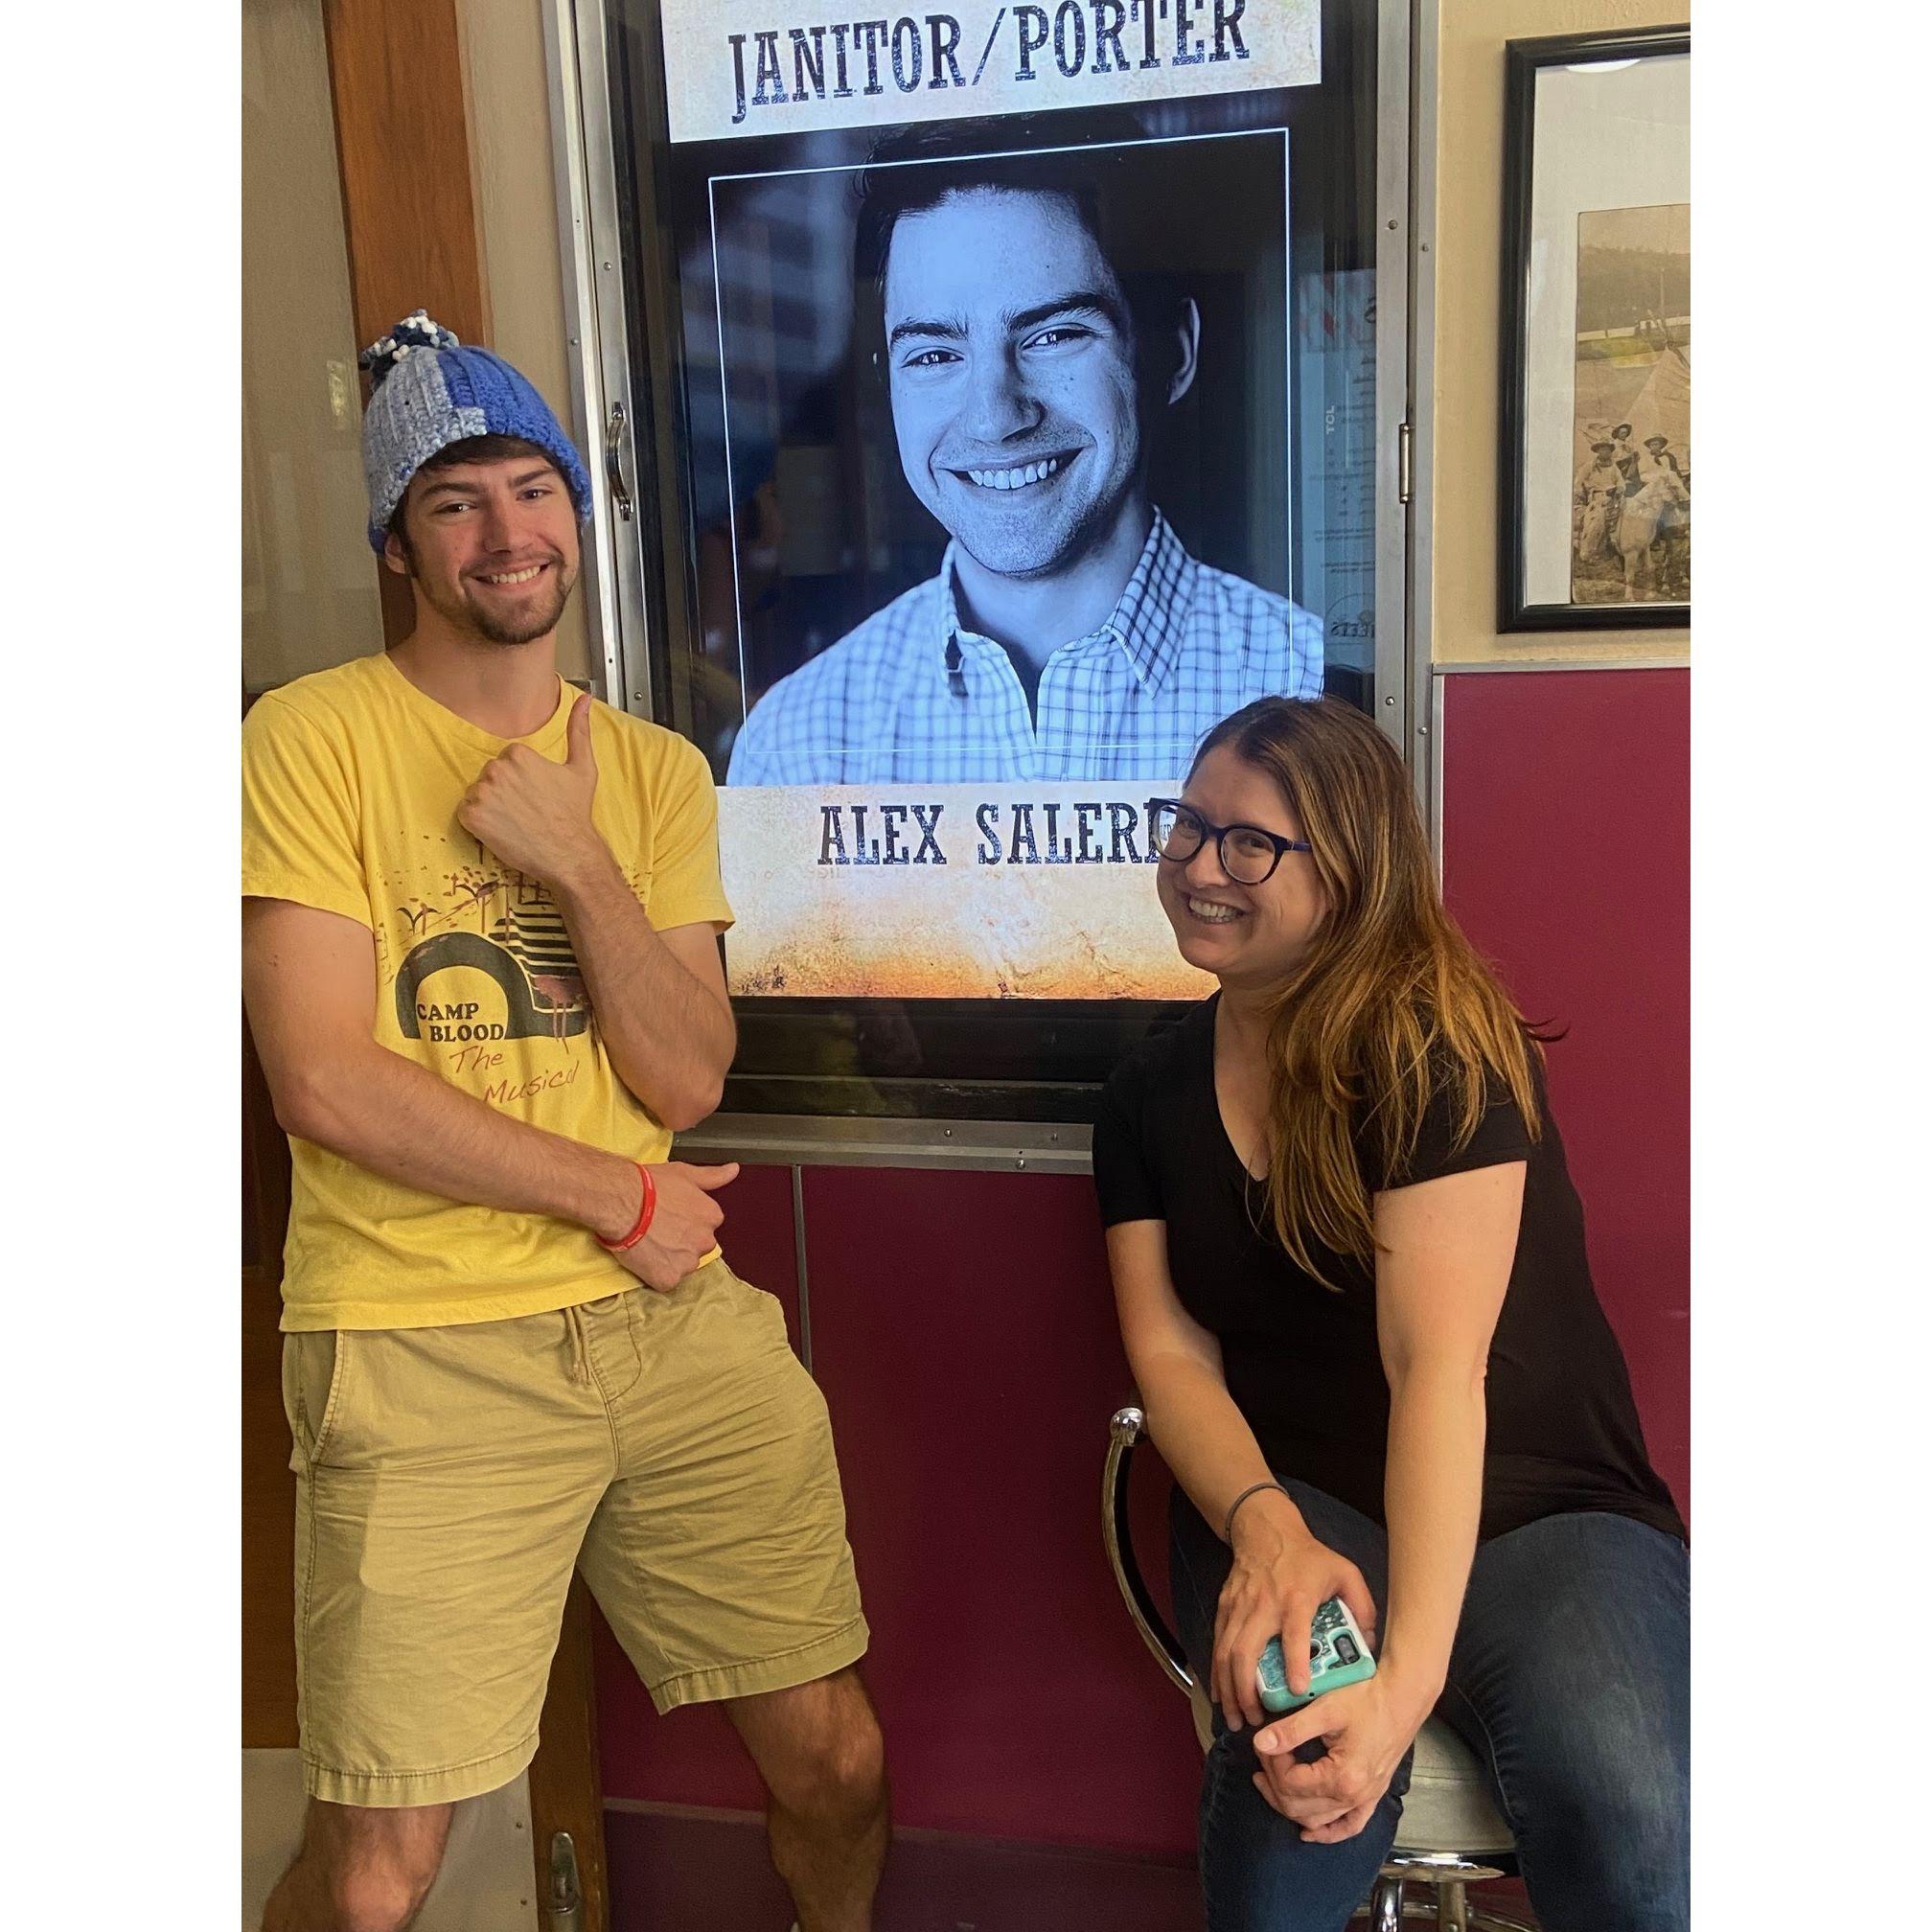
column 1594, row 466
column 985, row 460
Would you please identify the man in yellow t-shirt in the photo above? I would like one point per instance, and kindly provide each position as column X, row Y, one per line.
column 480, row 960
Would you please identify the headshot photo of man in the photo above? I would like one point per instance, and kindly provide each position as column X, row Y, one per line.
column 1068, row 633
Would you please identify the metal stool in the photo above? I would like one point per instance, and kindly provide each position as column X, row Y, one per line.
column 1450, row 1835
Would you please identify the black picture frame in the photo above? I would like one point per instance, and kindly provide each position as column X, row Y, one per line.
column 1025, row 1060
column 1525, row 62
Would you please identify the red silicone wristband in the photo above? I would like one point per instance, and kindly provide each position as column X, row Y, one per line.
column 644, row 1215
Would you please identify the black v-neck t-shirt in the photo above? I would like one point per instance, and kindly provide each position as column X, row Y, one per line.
column 1301, row 1359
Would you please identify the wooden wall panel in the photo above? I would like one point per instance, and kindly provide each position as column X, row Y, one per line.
column 401, row 132
column 408, row 200
column 267, row 1524
column 565, row 1792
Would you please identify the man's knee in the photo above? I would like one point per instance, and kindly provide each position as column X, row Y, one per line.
column 382, row 1897
column 830, row 1763
column 839, row 1776
column 360, row 1871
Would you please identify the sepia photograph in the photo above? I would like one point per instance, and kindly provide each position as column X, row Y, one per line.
column 1630, row 508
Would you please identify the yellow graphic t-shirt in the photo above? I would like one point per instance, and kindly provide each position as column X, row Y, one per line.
column 350, row 784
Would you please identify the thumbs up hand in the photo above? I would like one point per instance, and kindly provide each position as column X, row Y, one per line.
column 532, row 813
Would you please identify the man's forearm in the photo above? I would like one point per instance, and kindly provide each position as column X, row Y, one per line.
column 1433, row 1497
column 400, row 1121
column 669, row 1039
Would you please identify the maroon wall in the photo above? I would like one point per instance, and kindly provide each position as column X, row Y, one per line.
column 962, row 1325
column 1566, row 819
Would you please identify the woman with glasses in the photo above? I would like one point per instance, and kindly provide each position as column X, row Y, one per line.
column 1351, row 1272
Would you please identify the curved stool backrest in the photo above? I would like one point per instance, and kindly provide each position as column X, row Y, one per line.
column 1126, row 1430
column 1451, row 1835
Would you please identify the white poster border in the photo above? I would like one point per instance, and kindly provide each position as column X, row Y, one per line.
column 725, row 86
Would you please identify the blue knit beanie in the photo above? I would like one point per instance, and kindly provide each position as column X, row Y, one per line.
column 427, row 391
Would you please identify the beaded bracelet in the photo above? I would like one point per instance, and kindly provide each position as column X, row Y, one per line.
column 644, row 1215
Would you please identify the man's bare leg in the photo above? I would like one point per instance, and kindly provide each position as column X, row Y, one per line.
column 818, row 1750
column 359, row 1869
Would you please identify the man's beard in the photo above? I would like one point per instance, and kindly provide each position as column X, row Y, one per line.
column 507, row 628
column 525, row 629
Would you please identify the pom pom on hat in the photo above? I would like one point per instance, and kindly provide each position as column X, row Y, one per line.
column 413, row 331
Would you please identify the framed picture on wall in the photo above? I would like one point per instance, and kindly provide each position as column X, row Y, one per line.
column 1594, row 464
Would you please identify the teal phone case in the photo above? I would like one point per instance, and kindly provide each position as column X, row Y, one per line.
column 1336, row 1656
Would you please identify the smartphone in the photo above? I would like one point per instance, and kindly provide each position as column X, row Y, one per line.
column 1336, row 1656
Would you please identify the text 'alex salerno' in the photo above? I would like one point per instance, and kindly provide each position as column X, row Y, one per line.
column 842, row 59
column 1011, row 834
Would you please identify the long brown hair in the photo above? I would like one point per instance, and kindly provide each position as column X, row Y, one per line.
column 1389, row 1004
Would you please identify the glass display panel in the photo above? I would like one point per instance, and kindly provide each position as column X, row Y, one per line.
column 987, row 460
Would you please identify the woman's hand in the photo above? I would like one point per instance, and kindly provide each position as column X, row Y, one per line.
column 1281, row 1577
column 1367, row 1728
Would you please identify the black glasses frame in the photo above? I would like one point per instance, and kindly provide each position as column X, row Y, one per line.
column 1219, row 835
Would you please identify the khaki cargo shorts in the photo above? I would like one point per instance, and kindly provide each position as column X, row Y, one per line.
column 449, row 1478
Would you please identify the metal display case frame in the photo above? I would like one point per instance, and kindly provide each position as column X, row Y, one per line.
column 622, row 546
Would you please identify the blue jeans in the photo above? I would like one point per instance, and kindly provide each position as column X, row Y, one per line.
column 1570, row 1680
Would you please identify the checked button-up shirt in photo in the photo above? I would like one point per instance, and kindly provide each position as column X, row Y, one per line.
column 911, row 696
